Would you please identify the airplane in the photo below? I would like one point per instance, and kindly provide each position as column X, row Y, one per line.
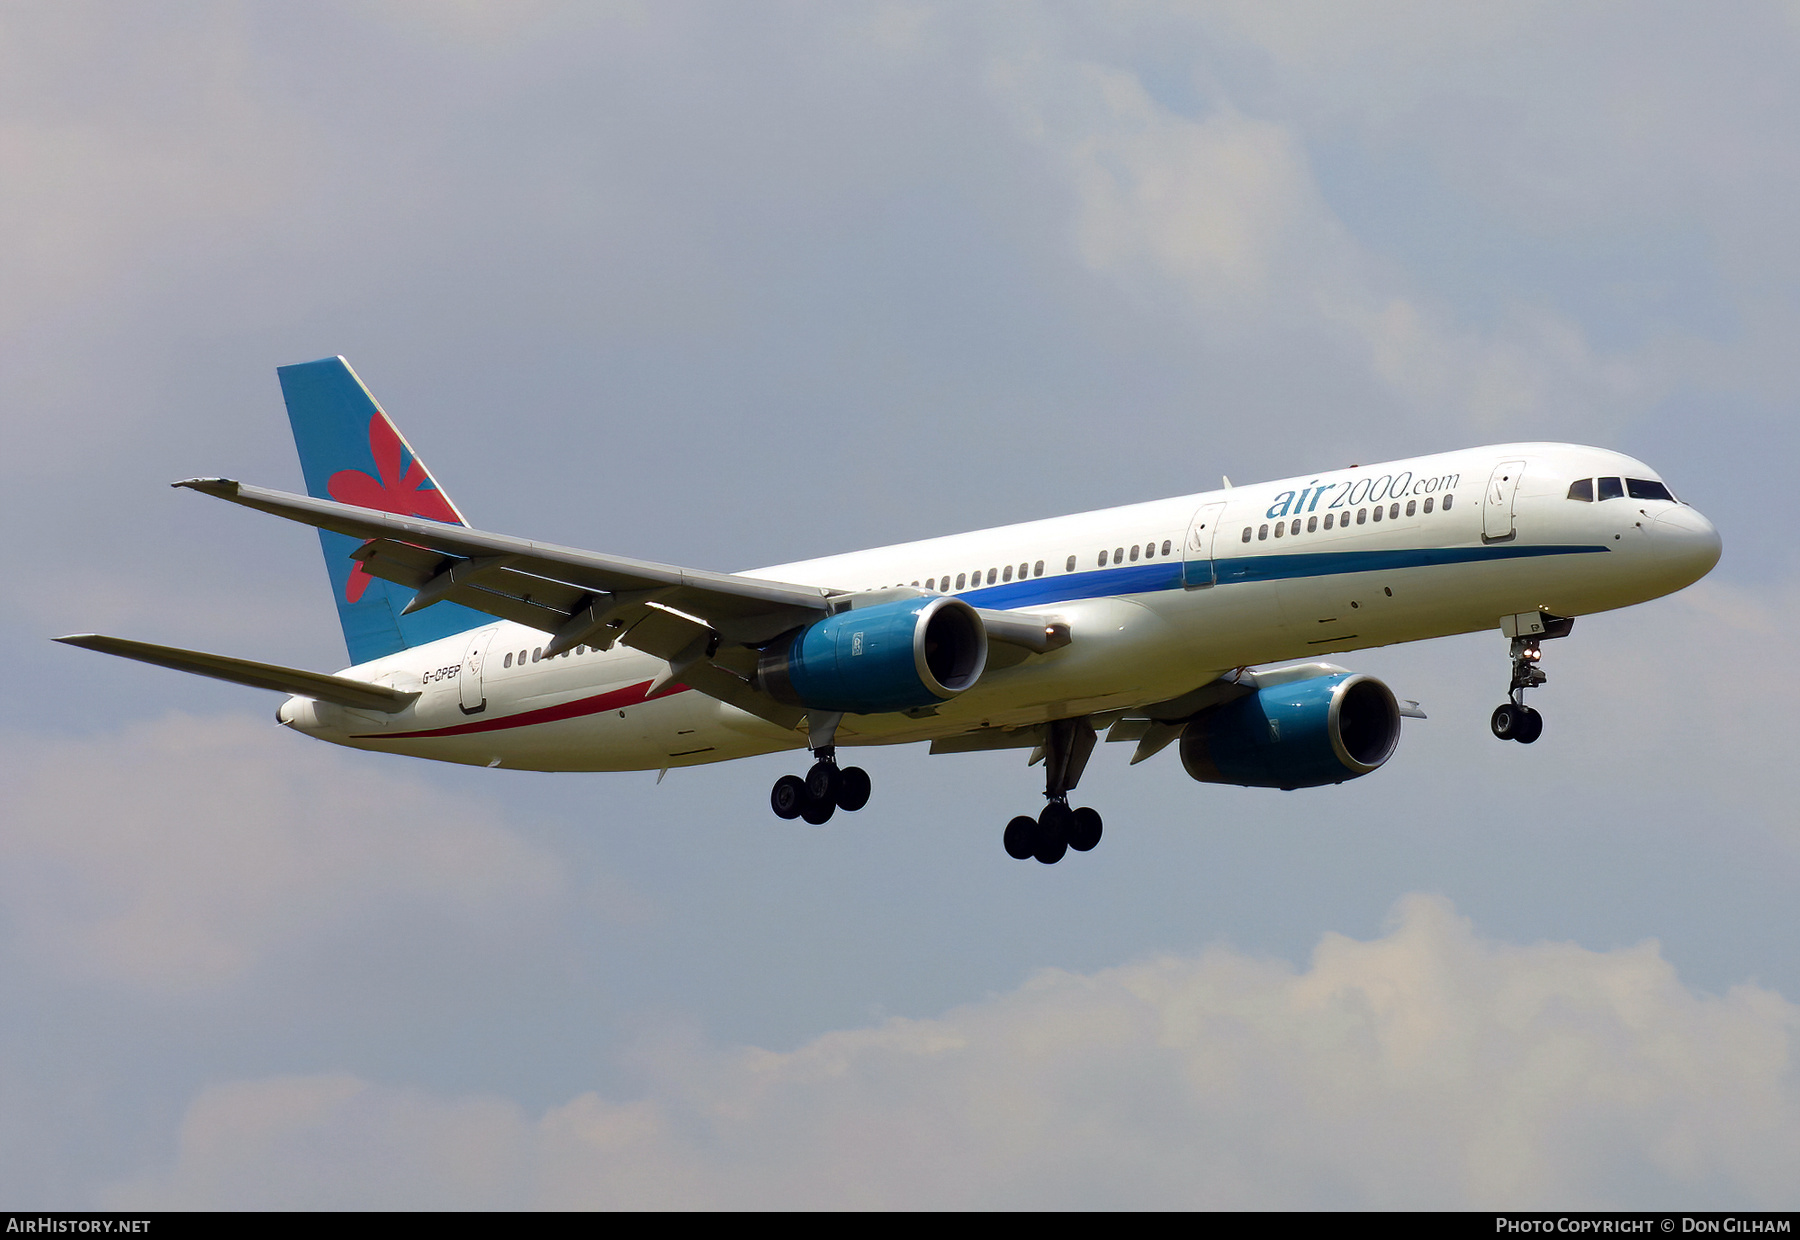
column 1154, row 623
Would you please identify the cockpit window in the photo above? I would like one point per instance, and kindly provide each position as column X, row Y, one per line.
column 1612, row 488
column 1645, row 488
column 1582, row 489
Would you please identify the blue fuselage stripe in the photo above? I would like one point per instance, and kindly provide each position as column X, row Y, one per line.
column 1167, row 574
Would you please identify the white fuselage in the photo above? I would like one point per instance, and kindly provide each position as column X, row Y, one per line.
column 1188, row 588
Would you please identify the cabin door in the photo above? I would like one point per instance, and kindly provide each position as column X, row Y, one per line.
column 468, row 681
column 1497, row 504
column 1197, row 560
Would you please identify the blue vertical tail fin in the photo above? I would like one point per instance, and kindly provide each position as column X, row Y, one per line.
column 350, row 451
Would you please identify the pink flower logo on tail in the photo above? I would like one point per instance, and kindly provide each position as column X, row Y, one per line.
column 408, row 495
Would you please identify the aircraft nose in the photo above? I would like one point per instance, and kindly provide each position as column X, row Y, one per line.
column 1687, row 540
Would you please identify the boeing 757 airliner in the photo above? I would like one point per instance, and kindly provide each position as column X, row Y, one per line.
column 1153, row 623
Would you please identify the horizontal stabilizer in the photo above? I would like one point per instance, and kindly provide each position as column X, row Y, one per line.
column 341, row 690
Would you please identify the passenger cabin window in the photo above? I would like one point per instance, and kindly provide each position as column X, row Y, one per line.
column 1103, row 559
column 960, row 578
column 1312, row 524
column 508, row 662
column 1262, row 532
column 1378, row 512
column 1362, row 516
column 1447, row 501
column 1165, row 546
column 1037, row 570
column 1582, row 489
column 1612, row 488
column 1393, row 512
column 1246, row 533
column 1645, row 488
column 1295, row 527
column 1007, row 575
column 1070, row 567
column 1428, row 503
column 1134, row 552
column 991, row 575
column 1328, row 517
column 1119, row 555
column 1280, row 528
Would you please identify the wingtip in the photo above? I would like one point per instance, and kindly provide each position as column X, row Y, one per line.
column 209, row 486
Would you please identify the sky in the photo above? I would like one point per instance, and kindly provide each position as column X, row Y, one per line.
column 726, row 285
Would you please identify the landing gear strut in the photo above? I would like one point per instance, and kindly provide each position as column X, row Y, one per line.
column 1049, row 836
column 826, row 787
column 1513, row 720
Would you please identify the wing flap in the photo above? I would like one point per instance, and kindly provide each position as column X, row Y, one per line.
column 357, row 694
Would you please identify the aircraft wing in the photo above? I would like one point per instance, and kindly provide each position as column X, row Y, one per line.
column 339, row 689
column 691, row 618
column 580, row 597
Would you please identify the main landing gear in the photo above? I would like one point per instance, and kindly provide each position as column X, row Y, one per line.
column 1049, row 836
column 1513, row 720
column 827, row 788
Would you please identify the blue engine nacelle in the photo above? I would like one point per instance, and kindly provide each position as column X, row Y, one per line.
column 892, row 656
column 1323, row 730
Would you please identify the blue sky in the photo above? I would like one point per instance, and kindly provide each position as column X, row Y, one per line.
column 729, row 285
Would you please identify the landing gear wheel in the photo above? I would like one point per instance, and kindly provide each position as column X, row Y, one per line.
column 1051, row 839
column 822, row 782
column 1019, row 837
column 818, row 813
column 1529, row 725
column 1505, row 721
column 853, row 789
column 788, row 796
column 1084, row 829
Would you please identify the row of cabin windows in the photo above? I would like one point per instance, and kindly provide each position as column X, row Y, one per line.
column 1363, row 516
column 1118, row 555
column 538, row 653
column 1001, row 575
column 994, row 576
column 1618, row 488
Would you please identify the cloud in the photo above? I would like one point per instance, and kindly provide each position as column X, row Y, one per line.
column 1426, row 1068
column 181, row 854
column 1221, row 214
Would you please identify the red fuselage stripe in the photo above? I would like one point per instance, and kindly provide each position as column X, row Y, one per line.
column 618, row 699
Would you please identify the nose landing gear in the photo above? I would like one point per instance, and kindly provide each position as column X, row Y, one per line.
column 1513, row 720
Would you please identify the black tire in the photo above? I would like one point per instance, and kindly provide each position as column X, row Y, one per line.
column 1019, row 837
column 1529, row 727
column 1505, row 721
column 788, row 796
column 818, row 813
column 822, row 783
column 853, row 789
column 1051, row 839
column 1084, row 830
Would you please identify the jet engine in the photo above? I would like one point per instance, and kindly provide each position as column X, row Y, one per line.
column 891, row 656
column 1303, row 734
